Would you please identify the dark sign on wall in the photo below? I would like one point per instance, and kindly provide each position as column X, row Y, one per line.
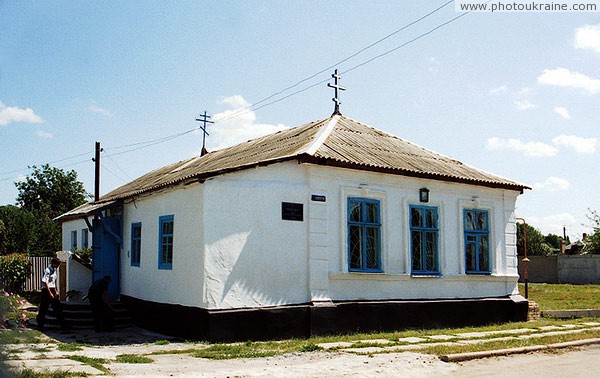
column 292, row 211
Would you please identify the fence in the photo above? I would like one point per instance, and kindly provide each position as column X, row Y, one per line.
column 38, row 264
column 581, row 269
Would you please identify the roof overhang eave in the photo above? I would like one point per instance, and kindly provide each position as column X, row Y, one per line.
column 403, row 172
column 198, row 178
column 86, row 210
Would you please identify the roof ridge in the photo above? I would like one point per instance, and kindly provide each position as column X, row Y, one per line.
column 322, row 135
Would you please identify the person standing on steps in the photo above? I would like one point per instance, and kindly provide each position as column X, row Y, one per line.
column 102, row 310
column 50, row 296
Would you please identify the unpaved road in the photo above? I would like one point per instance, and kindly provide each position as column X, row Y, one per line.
column 584, row 362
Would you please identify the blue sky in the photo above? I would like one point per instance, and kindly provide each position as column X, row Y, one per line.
column 516, row 94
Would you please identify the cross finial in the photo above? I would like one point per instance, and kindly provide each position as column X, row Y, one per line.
column 204, row 119
column 336, row 87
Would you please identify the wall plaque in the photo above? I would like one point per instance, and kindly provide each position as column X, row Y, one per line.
column 318, row 198
column 292, row 211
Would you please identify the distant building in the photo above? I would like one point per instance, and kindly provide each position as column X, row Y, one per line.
column 333, row 226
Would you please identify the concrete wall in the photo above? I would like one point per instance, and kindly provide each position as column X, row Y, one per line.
column 579, row 269
column 541, row 269
column 562, row 269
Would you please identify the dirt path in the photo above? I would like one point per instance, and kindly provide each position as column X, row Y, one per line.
column 584, row 362
column 315, row 364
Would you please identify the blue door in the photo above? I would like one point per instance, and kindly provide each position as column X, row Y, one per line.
column 106, row 245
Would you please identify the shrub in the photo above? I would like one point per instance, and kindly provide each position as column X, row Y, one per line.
column 85, row 254
column 14, row 270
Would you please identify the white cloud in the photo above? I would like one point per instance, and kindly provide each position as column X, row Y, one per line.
column 552, row 184
column 553, row 224
column 44, row 134
column 524, row 105
column 562, row 77
column 500, row 89
column 534, row 149
column 98, row 110
column 236, row 102
column 563, row 112
column 237, row 124
column 588, row 37
column 10, row 114
column 581, row 145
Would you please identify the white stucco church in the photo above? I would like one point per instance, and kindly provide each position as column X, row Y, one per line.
column 332, row 226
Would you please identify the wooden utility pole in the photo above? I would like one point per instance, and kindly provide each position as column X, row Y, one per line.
column 96, row 160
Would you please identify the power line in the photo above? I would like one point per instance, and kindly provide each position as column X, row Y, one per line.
column 141, row 145
column 104, row 167
column 406, row 43
column 250, row 108
column 151, row 143
column 118, row 167
column 50, row 163
column 242, row 110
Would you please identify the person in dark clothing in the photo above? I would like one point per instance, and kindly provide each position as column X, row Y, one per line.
column 50, row 296
column 102, row 311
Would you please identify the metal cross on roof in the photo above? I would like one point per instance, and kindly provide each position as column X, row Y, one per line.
column 337, row 88
column 204, row 119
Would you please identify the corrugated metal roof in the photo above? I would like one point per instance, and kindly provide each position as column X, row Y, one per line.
column 84, row 210
column 356, row 144
column 337, row 140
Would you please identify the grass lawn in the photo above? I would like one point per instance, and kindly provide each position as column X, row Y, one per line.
column 563, row 296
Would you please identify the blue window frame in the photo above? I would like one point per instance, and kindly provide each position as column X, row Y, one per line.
column 74, row 239
column 364, row 235
column 424, row 240
column 165, row 242
column 85, row 238
column 136, row 243
column 477, row 241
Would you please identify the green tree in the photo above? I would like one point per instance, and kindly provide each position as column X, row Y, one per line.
column 3, row 237
column 555, row 242
column 19, row 226
column 536, row 244
column 51, row 191
column 45, row 194
column 594, row 239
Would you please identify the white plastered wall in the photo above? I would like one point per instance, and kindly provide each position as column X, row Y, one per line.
column 74, row 225
column 253, row 257
column 183, row 283
column 79, row 277
column 233, row 250
column 396, row 194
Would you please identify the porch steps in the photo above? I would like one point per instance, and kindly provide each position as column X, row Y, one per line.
column 78, row 315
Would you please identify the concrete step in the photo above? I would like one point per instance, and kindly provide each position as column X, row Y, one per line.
column 78, row 315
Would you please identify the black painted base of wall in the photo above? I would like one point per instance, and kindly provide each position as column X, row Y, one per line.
column 304, row 320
